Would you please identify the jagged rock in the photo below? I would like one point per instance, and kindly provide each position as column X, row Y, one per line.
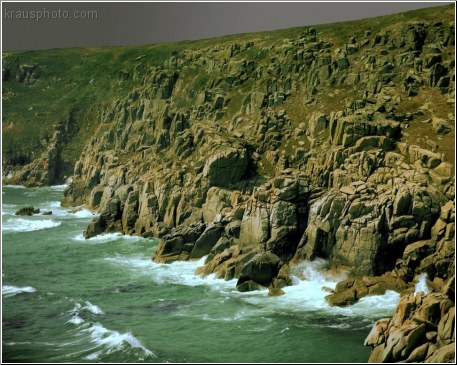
column 407, row 337
column 248, row 285
column 255, row 224
column 27, row 211
column 275, row 292
column 351, row 290
column 317, row 123
column 206, row 241
column 129, row 213
column 440, row 126
column 376, row 335
column 344, row 298
column 180, row 240
column 445, row 354
column 217, row 200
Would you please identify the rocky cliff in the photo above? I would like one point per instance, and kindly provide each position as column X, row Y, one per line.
column 260, row 151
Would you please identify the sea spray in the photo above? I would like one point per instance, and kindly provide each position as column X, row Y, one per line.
column 10, row 290
column 113, row 340
column 28, row 225
column 421, row 285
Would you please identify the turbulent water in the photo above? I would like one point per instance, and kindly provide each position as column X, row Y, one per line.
column 66, row 299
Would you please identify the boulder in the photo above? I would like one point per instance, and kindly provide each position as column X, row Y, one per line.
column 261, row 269
column 440, row 126
column 27, row 211
column 207, row 241
column 343, row 298
column 317, row 123
column 445, row 354
column 182, row 239
column 248, row 285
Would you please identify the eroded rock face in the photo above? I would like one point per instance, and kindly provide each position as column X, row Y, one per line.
column 352, row 190
column 420, row 330
column 226, row 167
column 361, row 225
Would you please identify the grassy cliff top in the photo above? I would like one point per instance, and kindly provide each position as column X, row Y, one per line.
column 43, row 88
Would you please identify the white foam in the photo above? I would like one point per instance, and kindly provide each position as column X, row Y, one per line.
column 311, row 284
column 10, row 290
column 306, row 293
column 107, row 237
column 114, row 340
column 60, row 211
column 94, row 309
column 76, row 320
column 14, row 186
column 101, row 336
column 239, row 316
column 421, row 285
column 55, row 204
column 309, row 291
column 93, row 356
column 178, row 272
column 9, row 209
column 58, row 187
column 83, row 213
column 372, row 305
column 26, row 225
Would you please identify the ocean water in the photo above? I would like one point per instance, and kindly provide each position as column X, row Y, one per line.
column 67, row 299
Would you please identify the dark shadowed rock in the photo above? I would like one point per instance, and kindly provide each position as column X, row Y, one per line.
column 27, row 211
column 261, row 269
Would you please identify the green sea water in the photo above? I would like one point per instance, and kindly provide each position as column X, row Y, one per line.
column 66, row 299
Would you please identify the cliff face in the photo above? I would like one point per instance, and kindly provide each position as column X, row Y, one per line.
column 264, row 150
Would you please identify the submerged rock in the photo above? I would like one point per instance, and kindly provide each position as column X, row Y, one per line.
column 27, row 211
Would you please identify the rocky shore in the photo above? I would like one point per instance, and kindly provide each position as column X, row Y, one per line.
column 260, row 156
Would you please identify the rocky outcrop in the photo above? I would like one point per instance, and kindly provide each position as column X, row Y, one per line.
column 230, row 182
column 27, row 211
column 49, row 168
column 348, row 291
column 420, row 330
column 423, row 325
